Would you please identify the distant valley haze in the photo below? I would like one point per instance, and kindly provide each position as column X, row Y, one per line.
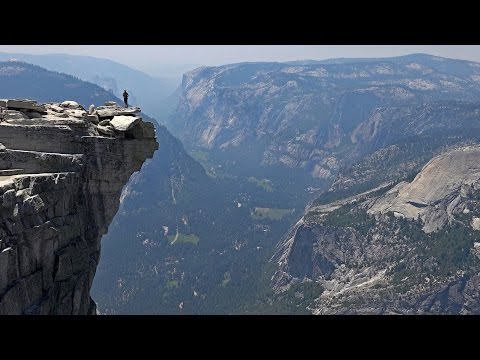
column 173, row 60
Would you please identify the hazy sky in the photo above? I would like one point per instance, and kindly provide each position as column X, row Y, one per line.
column 148, row 57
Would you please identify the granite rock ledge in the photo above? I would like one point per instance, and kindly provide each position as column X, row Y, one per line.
column 62, row 170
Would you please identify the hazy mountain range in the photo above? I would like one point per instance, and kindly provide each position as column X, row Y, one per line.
column 146, row 91
column 307, row 116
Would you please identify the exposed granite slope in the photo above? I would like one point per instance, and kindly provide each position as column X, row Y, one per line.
column 408, row 249
column 62, row 170
column 436, row 191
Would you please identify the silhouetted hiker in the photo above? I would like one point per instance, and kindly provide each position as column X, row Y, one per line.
column 125, row 97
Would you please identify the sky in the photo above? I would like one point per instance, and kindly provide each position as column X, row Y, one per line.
column 153, row 58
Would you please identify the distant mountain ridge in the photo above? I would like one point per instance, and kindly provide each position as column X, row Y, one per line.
column 146, row 91
column 23, row 80
column 399, row 59
column 305, row 116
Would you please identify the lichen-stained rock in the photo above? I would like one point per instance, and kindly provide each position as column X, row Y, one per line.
column 60, row 185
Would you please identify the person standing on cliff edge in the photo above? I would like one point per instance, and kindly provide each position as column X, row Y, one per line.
column 125, row 97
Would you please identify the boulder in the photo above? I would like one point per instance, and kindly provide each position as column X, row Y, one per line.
column 22, row 104
column 77, row 113
column 111, row 103
column 14, row 115
column 124, row 123
column 111, row 111
column 91, row 109
column 104, row 123
column 105, row 131
column 54, row 108
column 69, row 104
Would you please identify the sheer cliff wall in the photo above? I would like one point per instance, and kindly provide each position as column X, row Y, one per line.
column 62, row 170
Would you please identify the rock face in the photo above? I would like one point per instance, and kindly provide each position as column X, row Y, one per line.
column 315, row 116
column 60, row 185
column 437, row 191
column 409, row 249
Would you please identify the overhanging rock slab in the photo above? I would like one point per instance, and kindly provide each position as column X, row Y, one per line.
column 124, row 123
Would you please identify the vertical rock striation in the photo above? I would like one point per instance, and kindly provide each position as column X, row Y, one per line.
column 62, row 170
